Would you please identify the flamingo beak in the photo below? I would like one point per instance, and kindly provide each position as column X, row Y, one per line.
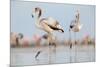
column 33, row 13
column 32, row 16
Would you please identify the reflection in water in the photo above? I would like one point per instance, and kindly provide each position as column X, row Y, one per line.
column 26, row 56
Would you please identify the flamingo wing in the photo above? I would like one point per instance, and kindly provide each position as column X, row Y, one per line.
column 50, row 23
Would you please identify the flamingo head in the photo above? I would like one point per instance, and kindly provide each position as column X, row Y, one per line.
column 20, row 35
column 36, row 12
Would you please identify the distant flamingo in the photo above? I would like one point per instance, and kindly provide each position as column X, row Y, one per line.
column 37, row 39
column 15, row 38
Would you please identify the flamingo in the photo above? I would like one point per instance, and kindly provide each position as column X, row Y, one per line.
column 48, row 25
column 15, row 38
column 75, row 26
column 20, row 36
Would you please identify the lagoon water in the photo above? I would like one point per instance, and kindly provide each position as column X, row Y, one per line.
column 63, row 54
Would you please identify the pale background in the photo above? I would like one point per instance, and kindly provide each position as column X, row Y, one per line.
column 22, row 22
column 5, row 29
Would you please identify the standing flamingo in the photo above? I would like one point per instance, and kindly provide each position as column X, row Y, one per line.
column 46, row 24
column 75, row 26
column 15, row 38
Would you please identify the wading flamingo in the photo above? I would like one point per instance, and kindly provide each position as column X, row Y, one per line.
column 46, row 24
column 15, row 38
column 75, row 27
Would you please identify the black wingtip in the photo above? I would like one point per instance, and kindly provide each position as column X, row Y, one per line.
column 62, row 30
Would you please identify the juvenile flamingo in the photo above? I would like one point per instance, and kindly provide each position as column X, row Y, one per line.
column 46, row 24
column 75, row 26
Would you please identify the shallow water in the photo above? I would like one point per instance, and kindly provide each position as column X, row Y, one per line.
column 63, row 54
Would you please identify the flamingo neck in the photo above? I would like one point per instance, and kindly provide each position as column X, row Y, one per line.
column 37, row 19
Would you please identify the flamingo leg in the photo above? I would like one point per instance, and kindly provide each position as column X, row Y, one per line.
column 75, row 47
column 70, row 39
column 70, row 46
column 51, row 43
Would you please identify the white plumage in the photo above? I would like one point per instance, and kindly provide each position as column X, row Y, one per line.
column 46, row 24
